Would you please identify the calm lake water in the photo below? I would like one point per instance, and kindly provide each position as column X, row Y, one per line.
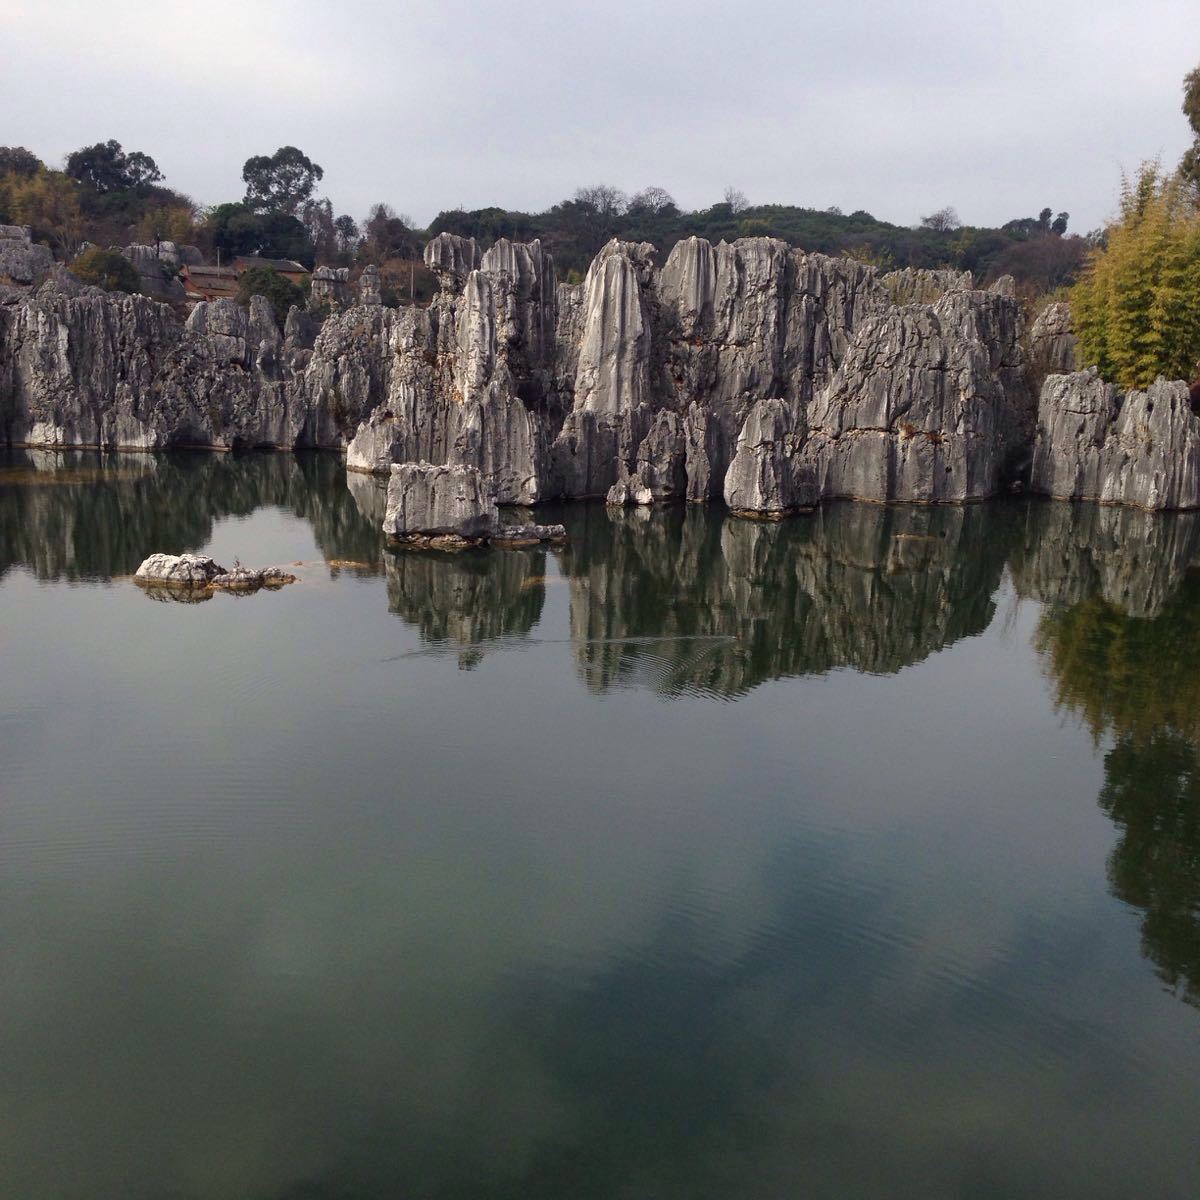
column 854, row 856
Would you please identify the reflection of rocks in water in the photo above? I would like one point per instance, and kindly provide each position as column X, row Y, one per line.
column 370, row 496
column 1152, row 793
column 1134, row 559
column 467, row 599
column 689, row 600
column 1137, row 681
column 175, row 595
column 80, row 515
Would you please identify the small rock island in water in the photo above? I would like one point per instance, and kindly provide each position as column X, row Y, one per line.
column 196, row 573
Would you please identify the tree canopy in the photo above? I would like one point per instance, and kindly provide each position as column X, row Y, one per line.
column 16, row 160
column 236, row 229
column 280, row 182
column 278, row 289
column 1137, row 309
column 1190, row 166
column 106, row 167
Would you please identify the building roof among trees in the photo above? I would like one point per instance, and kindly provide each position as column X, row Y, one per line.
column 285, row 266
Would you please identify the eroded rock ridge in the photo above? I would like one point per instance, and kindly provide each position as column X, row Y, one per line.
column 749, row 371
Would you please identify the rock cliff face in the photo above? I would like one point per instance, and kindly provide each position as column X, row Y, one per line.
column 1052, row 344
column 22, row 261
column 749, row 372
column 1092, row 443
column 928, row 405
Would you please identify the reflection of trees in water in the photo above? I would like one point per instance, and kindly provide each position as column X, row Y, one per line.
column 81, row 515
column 1152, row 793
column 867, row 586
column 1137, row 680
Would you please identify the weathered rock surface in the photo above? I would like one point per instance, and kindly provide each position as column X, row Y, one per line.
column 766, row 476
column 928, row 405
column 529, row 534
column 370, row 286
column 451, row 258
column 194, row 571
column 748, row 371
column 22, row 261
column 1053, row 349
column 157, row 268
column 246, row 579
column 330, row 288
column 426, row 501
column 179, row 570
column 81, row 367
column 1141, row 449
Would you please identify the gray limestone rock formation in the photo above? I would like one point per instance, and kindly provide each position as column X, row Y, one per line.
column 22, row 261
column 1141, row 449
column 247, row 579
column 766, row 477
column 198, row 571
column 660, row 467
column 917, row 285
column 157, row 268
column 330, row 288
column 178, row 570
column 748, row 371
column 451, row 258
column 426, row 501
column 528, row 534
column 929, row 404
column 1052, row 345
column 370, row 286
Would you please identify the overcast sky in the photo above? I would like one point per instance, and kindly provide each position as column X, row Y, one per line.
column 997, row 107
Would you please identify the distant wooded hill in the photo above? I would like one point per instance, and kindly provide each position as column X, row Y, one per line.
column 1036, row 251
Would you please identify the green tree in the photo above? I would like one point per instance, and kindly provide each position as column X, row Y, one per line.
column 387, row 234
column 1190, row 166
column 278, row 289
column 235, row 229
column 1137, row 308
column 106, row 269
column 280, row 182
column 105, row 167
column 48, row 201
column 16, row 160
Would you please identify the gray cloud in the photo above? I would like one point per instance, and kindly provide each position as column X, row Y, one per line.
column 995, row 107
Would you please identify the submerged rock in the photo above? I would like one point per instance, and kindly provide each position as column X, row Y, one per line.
column 528, row 535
